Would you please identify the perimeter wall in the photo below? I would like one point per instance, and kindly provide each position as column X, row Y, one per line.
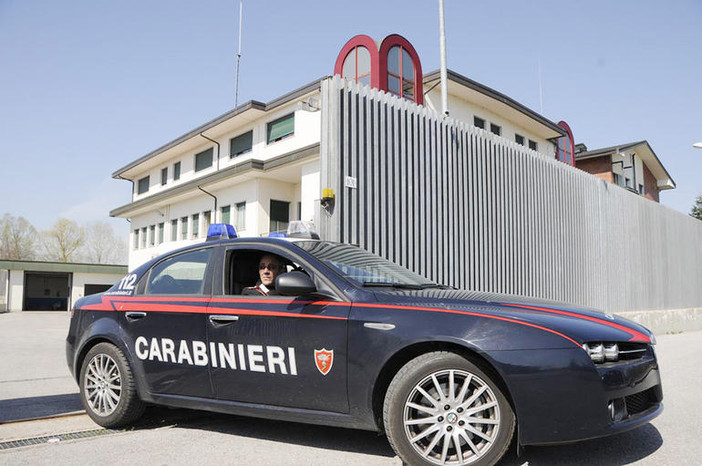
column 466, row 208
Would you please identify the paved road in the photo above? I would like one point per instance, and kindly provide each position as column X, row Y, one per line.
column 34, row 380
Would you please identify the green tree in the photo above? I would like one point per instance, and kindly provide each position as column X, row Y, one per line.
column 63, row 240
column 696, row 210
column 17, row 238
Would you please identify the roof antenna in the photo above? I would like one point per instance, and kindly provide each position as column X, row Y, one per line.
column 238, row 58
column 541, row 90
column 442, row 48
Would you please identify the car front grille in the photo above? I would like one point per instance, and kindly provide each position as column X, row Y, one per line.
column 640, row 402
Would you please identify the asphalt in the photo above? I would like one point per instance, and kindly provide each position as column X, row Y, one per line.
column 35, row 383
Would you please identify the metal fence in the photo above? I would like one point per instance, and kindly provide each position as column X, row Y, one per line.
column 470, row 209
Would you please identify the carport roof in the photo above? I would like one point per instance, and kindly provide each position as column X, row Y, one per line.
column 62, row 267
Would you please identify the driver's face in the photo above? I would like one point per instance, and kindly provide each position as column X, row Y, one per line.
column 268, row 269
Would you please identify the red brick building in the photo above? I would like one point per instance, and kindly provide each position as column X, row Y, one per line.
column 632, row 166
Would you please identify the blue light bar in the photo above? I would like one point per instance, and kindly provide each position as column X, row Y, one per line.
column 277, row 234
column 220, row 231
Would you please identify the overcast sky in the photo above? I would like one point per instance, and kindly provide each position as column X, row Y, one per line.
column 89, row 86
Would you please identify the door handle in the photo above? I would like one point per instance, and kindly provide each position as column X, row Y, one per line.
column 135, row 315
column 223, row 319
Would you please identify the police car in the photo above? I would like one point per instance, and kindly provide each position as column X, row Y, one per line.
column 353, row 340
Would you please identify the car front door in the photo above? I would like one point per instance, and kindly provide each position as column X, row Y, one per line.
column 277, row 350
column 165, row 325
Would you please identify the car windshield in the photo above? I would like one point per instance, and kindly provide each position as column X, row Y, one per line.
column 363, row 267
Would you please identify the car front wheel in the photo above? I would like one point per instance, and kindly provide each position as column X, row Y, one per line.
column 107, row 387
column 441, row 409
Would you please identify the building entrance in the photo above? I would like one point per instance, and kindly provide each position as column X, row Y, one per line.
column 46, row 291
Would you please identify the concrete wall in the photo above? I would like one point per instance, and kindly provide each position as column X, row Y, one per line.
column 82, row 279
column 15, row 295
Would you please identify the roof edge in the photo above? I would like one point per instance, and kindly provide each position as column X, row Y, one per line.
column 250, row 105
column 492, row 93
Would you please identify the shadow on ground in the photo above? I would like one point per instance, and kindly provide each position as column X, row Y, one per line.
column 19, row 409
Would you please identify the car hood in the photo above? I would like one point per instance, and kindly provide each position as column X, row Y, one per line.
column 579, row 323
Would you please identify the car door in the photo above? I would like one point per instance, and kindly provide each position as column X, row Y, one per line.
column 277, row 350
column 164, row 325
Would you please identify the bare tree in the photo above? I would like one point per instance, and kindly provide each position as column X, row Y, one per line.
column 17, row 238
column 102, row 246
column 63, row 240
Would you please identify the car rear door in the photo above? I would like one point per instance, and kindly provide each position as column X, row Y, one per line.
column 277, row 350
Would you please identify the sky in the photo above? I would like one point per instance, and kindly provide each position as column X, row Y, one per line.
column 87, row 87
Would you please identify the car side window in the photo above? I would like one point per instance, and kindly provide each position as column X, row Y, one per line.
column 243, row 267
column 181, row 274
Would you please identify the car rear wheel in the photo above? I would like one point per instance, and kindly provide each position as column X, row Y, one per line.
column 107, row 387
column 441, row 409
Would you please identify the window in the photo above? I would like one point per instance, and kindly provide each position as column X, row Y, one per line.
column 478, row 122
column 143, row 185
column 143, row 237
column 164, row 176
column 400, row 73
column 196, row 225
column 281, row 128
column 565, row 148
column 160, row 233
column 184, row 228
column 176, row 171
column 357, row 65
column 207, row 218
column 533, row 145
column 203, row 159
column 136, row 239
column 240, row 223
column 174, row 230
column 280, row 215
column 641, row 189
column 299, row 211
column 152, row 235
column 495, row 129
column 182, row 274
column 519, row 139
column 225, row 214
column 617, row 178
column 240, row 144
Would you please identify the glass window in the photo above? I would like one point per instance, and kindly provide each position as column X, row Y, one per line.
column 565, row 146
column 225, row 214
column 136, row 239
column 160, row 233
column 203, row 159
column 207, row 219
column 143, row 237
column 241, row 144
column 176, row 171
column 533, row 145
column 152, row 235
column 143, row 185
column 174, row 230
column 357, row 65
column 182, row 274
column 495, row 129
column 280, row 215
column 240, row 223
column 196, row 225
column 400, row 73
column 519, row 139
column 281, row 128
column 164, row 176
column 184, row 228
column 478, row 122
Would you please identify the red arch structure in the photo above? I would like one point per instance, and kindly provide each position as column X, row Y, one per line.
column 565, row 150
column 379, row 62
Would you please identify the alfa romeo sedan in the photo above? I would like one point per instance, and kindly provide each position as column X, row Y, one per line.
column 345, row 338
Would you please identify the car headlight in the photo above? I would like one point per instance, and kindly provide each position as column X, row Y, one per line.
column 601, row 352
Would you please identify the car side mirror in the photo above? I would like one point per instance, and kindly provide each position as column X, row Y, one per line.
column 294, row 284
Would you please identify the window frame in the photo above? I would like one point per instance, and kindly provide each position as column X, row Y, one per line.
column 495, row 129
column 164, row 176
column 207, row 278
column 140, row 184
column 479, row 122
column 176, row 171
column 200, row 156
column 270, row 124
column 232, row 154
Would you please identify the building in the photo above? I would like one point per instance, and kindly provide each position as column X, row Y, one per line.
column 632, row 166
column 52, row 286
column 257, row 166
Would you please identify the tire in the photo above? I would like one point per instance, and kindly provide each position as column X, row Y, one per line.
column 107, row 387
column 426, row 424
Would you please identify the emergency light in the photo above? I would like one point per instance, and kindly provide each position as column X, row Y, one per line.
column 297, row 229
column 220, row 231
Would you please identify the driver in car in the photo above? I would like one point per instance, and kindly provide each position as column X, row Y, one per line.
column 269, row 267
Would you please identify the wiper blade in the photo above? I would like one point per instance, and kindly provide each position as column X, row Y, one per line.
column 406, row 286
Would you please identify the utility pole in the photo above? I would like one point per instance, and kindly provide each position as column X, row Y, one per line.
column 238, row 58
